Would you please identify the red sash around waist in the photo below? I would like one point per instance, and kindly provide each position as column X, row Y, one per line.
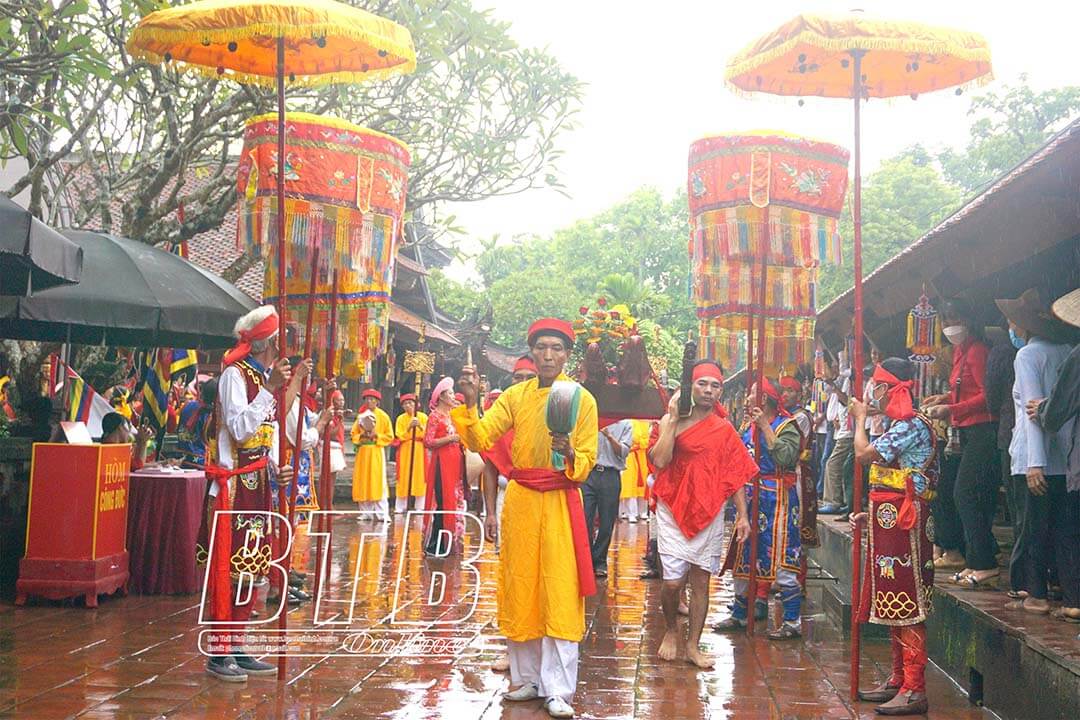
column 548, row 480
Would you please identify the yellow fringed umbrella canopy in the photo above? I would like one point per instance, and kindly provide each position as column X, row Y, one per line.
column 325, row 41
column 811, row 55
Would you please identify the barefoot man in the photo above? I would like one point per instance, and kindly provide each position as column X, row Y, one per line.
column 700, row 462
column 545, row 566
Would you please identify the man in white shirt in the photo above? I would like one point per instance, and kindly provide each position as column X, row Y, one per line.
column 239, row 465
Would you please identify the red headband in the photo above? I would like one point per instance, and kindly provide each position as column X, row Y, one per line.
column 371, row 392
column 407, row 397
column 770, row 390
column 261, row 331
column 337, row 394
column 709, row 370
column 524, row 363
column 898, row 404
column 551, row 326
column 790, row 383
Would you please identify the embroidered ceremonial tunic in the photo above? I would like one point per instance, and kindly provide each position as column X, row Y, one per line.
column 540, row 593
column 899, row 564
column 779, row 544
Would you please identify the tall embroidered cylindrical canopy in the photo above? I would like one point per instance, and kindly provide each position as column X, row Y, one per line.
column 345, row 190
column 755, row 194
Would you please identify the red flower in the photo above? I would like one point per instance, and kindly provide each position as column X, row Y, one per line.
column 583, row 310
column 602, row 302
column 614, row 315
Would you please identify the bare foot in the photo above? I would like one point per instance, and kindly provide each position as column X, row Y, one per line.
column 700, row 659
column 669, row 647
column 684, row 610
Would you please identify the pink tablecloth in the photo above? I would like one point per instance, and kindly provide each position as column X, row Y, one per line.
column 164, row 511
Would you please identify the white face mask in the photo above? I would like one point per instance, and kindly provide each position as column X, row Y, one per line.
column 956, row 334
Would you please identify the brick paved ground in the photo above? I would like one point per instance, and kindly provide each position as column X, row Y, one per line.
column 136, row 657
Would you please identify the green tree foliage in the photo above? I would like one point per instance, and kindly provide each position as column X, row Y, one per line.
column 901, row 200
column 634, row 252
column 456, row 299
column 482, row 116
column 1008, row 125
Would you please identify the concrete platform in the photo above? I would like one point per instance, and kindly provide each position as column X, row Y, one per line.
column 1016, row 664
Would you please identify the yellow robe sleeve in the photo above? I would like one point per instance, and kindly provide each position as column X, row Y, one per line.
column 384, row 431
column 401, row 427
column 480, row 434
column 584, row 439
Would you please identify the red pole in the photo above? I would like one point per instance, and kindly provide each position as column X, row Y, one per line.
column 857, row 380
column 298, row 435
column 283, row 346
column 327, row 487
column 755, row 498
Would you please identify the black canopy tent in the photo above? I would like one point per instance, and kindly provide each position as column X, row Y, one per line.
column 130, row 294
column 33, row 256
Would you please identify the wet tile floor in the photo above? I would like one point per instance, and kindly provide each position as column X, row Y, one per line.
column 137, row 657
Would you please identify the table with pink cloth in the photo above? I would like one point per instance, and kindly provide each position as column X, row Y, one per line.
column 164, row 508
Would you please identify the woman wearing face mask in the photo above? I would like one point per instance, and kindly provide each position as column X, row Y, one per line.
column 964, row 408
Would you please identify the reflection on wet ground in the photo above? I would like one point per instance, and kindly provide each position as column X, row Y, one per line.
column 137, row 657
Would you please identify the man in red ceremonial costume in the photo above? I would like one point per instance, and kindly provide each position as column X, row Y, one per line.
column 545, row 565
column 497, row 467
column 700, row 462
column 899, row 571
column 238, row 474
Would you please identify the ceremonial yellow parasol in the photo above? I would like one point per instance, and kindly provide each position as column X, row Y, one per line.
column 271, row 42
column 856, row 56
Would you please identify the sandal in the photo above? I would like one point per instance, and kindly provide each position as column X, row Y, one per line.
column 972, row 583
column 1017, row 594
column 960, row 577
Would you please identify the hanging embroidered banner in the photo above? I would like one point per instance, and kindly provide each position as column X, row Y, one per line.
column 753, row 171
column 340, row 181
column 762, row 196
column 345, row 189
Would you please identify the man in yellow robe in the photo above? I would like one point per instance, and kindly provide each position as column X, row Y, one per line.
column 371, row 433
column 409, row 430
column 632, row 504
column 544, row 557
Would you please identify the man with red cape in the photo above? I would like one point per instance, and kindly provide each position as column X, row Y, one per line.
column 700, row 462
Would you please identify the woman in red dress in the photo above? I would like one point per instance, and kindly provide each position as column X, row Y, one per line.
column 445, row 476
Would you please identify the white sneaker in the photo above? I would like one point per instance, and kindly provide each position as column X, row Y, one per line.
column 528, row 691
column 558, row 708
column 633, row 518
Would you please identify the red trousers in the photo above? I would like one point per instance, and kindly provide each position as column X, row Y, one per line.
column 909, row 657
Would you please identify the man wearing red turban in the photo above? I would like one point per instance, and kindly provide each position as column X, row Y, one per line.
column 545, row 565
column 699, row 463
column 237, row 479
column 899, row 571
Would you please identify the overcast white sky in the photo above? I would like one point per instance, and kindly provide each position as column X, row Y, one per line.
column 654, row 75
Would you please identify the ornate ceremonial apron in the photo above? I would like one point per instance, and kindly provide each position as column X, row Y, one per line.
column 779, row 544
column 899, row 568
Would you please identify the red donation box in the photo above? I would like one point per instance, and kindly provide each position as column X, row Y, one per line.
column 76, row 526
